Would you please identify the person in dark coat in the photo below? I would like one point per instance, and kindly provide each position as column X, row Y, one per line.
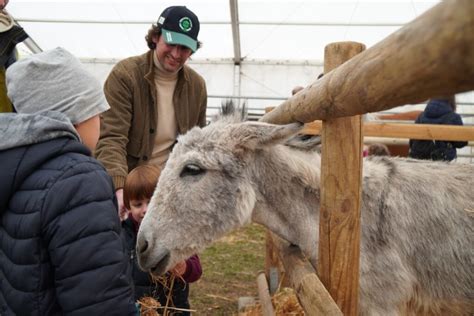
column 10, row 35
column 60, row 247
column 138, row 190
column 437, row 111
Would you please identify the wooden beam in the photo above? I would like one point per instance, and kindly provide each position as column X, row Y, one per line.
column 395, row 141
column 264, row 295
column 273, row 268
column 311, row 293
column 430, row 56
column 341, row 177
column 399, row 130
column 420, row 131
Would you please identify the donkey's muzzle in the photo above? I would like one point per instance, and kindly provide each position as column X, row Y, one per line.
column 150, row 257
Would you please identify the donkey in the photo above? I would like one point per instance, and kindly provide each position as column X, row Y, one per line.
column 417, row 219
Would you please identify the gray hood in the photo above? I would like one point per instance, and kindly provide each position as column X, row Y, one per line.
column 26, row 129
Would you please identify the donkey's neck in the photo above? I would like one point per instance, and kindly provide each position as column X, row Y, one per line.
column 286, row 182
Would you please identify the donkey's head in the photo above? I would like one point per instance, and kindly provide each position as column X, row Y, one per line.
column 204, row 191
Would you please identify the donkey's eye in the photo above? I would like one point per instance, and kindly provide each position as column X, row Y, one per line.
column 191, row 170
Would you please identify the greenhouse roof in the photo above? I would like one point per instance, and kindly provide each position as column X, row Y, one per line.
column 237, row 31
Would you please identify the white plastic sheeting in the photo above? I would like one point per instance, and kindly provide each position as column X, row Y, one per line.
column 293, row 30
column 281, row 42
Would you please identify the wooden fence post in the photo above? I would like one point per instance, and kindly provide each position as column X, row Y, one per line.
column 341, row 176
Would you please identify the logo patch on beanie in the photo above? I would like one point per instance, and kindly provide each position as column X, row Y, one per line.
column 185, row 24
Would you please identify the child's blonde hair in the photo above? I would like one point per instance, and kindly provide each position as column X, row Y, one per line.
column 140, row 183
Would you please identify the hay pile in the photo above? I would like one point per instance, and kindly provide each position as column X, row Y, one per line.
column 149, row 305
column 284, row 302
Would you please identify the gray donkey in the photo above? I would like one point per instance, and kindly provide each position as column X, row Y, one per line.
column 417, row 217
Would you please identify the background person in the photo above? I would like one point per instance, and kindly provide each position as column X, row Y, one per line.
column 378, row 149
column 60, row 246
column 10, row 35
column 153, row 98
column 438, row 111
column 138, row 190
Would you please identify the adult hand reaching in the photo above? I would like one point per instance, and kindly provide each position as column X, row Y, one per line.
column 122, row 210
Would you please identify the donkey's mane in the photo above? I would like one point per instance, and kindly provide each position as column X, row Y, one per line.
column 231, row 113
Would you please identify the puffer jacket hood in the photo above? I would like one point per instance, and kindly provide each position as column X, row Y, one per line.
column 26, row 129
column 18, row 162
column 19, row 130
column 435, row 111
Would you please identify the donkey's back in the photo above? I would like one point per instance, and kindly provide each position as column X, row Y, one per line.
column 417, row 236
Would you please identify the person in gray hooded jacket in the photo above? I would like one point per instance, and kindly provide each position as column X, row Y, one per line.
column 60, row 246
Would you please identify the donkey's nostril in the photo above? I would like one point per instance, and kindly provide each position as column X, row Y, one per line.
column 142, row 246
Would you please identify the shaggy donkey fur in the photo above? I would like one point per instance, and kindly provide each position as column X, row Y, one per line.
column 416, row 217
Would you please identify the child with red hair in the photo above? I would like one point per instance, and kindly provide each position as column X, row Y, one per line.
column 137, row 192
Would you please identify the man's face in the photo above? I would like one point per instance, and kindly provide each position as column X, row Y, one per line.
column 3, row 4
column 171, row 57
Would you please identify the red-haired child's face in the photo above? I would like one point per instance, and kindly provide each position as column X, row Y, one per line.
column 138, row 209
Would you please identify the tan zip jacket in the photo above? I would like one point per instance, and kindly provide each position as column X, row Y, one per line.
column 128, row 128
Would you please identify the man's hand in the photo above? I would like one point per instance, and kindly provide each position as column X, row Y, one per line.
column 122, row 210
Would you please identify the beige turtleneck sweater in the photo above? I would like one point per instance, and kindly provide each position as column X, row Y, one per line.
column 167, row 129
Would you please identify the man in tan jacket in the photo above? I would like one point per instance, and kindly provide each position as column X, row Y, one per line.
column 153, row 97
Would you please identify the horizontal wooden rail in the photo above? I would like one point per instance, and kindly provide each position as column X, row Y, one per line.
column 413, row 131
column 396, row 141
column 430, row 56
column 311, row 293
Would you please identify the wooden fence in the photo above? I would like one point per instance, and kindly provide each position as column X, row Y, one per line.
column 430, row 56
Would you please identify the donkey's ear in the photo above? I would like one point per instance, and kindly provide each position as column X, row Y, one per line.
column 253, row 135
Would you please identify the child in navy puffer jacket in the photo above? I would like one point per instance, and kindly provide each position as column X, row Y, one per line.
column 60, row 246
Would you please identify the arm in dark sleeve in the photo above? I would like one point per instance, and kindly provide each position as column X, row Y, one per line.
column 115, row 125
column 82, row 234
column 193, row 269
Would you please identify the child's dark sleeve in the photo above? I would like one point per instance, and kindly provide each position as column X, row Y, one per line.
column 193, row 269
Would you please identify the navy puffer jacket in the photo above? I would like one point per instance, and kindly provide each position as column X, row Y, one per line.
column 437, row 111
column 60, row 246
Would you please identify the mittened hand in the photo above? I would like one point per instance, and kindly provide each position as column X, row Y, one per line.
column 179, row 268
